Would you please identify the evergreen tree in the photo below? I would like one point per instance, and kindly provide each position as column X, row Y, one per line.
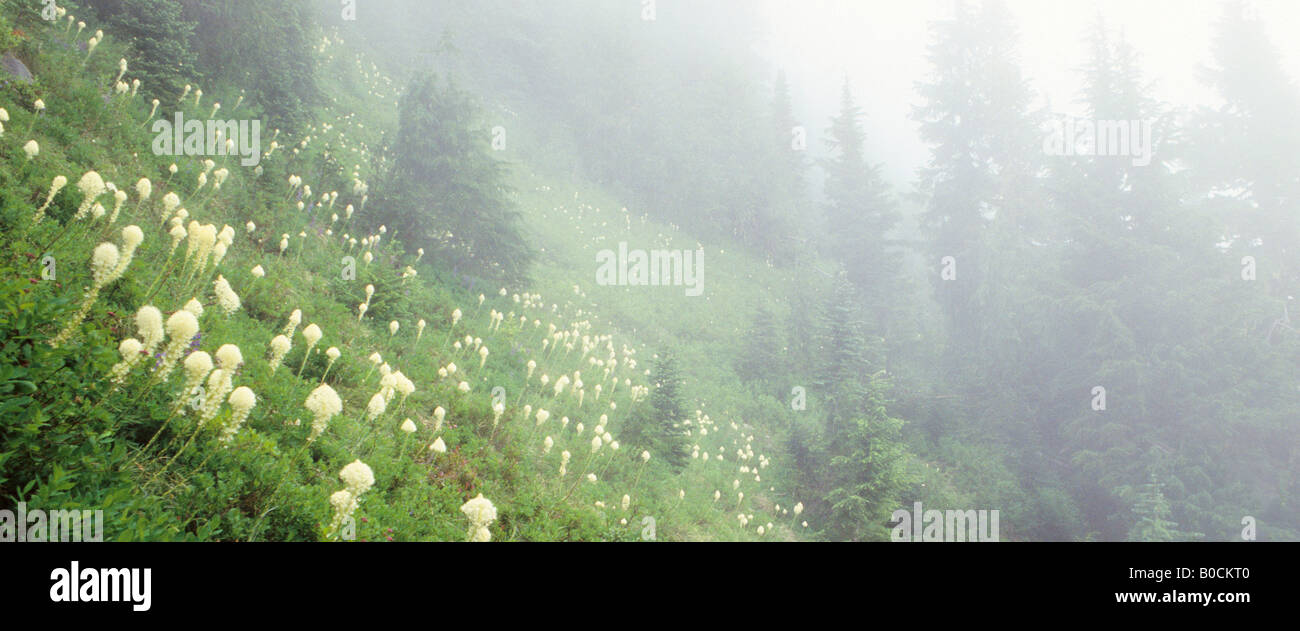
column 446, row 192
column 846, row 356
column 265, row 47
column 658, row 427
column 164, row 60
column 1244, row 149
column 1154, row 516
column 793, row 167
column 860, row 214
column 762, row 356
column 980, row 180
column 782, row 172
column 867, row 474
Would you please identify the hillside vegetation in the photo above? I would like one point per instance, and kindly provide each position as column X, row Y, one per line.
column 391, row 300
column 260, row 254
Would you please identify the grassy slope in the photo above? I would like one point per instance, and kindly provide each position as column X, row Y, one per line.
column 261, row 486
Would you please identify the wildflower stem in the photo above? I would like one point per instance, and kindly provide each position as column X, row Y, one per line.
column 157, row 433
column 637, row 481
column 198, row 428
column 585, row 465
column 601, row 473
column 67, row 226
column 367, row 432
column 157, row 282
column 303, row 365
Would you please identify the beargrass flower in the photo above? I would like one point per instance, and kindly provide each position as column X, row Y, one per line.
column 377, row 405
column 130, row 350
column 312, row 334
column 55, row 186
column 197, row 366
column 481, row 514
column 295, row 319
column 357, row 477
column 91, row 187
column 103, row 266
column 132, row 236
column 280, row 346
column 220, row 382
column 226, row 296
column 149, row 325
column 241, row 402
column 181, row 328
column 344, row 503
column 324, row 404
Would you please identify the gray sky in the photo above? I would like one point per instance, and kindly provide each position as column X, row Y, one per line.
column 880, row 45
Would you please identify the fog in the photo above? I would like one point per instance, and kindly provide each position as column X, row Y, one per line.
column 633, row 270
column 880, row 46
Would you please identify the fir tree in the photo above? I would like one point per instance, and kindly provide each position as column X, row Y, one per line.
column 761, row 358
column 160, row 38
column 1154, row 515
column 985, row 146
column 845, row 356
column 1244, row 148
column 860, row 213
column 658, row 426
column 446, row 192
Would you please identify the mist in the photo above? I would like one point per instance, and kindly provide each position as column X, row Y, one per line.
column 652, row 270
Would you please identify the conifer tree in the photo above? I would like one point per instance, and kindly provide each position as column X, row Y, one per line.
column 846, row 356
column 160, row 38
column 446, row 192
column 860, row 214
column 658, row 426
column 761, row 357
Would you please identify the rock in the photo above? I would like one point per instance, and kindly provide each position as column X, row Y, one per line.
column 13, row 66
